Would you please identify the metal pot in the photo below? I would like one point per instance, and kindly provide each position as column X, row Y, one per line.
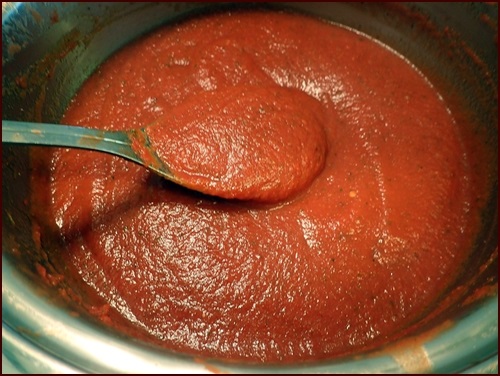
column 49, row 49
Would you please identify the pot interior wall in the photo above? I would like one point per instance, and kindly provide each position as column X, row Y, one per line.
column 48, row 52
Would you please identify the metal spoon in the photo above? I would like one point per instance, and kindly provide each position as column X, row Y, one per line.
column 270, row 158
column 112, row 142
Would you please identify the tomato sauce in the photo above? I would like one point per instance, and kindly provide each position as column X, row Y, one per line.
column 361, row 253
column 261, row 143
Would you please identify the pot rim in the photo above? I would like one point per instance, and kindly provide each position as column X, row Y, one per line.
column 36, row 331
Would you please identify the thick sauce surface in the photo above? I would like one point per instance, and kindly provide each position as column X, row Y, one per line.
column 261, row 143
column 361, row 253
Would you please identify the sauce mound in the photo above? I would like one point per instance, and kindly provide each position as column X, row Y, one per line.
column 261, row 143
column 361, row 254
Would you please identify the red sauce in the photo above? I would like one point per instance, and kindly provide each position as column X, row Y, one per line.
column 363, row 252
column 260, row 143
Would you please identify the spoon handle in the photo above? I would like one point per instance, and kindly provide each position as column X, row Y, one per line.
column 113, row 142
column 118, row 143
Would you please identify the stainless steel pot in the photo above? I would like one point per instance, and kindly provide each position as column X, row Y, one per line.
column 49, row 49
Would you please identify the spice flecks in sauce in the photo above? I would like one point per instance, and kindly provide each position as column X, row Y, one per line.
column 347, row 265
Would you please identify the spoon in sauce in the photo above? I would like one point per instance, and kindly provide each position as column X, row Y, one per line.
column 248, row 143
